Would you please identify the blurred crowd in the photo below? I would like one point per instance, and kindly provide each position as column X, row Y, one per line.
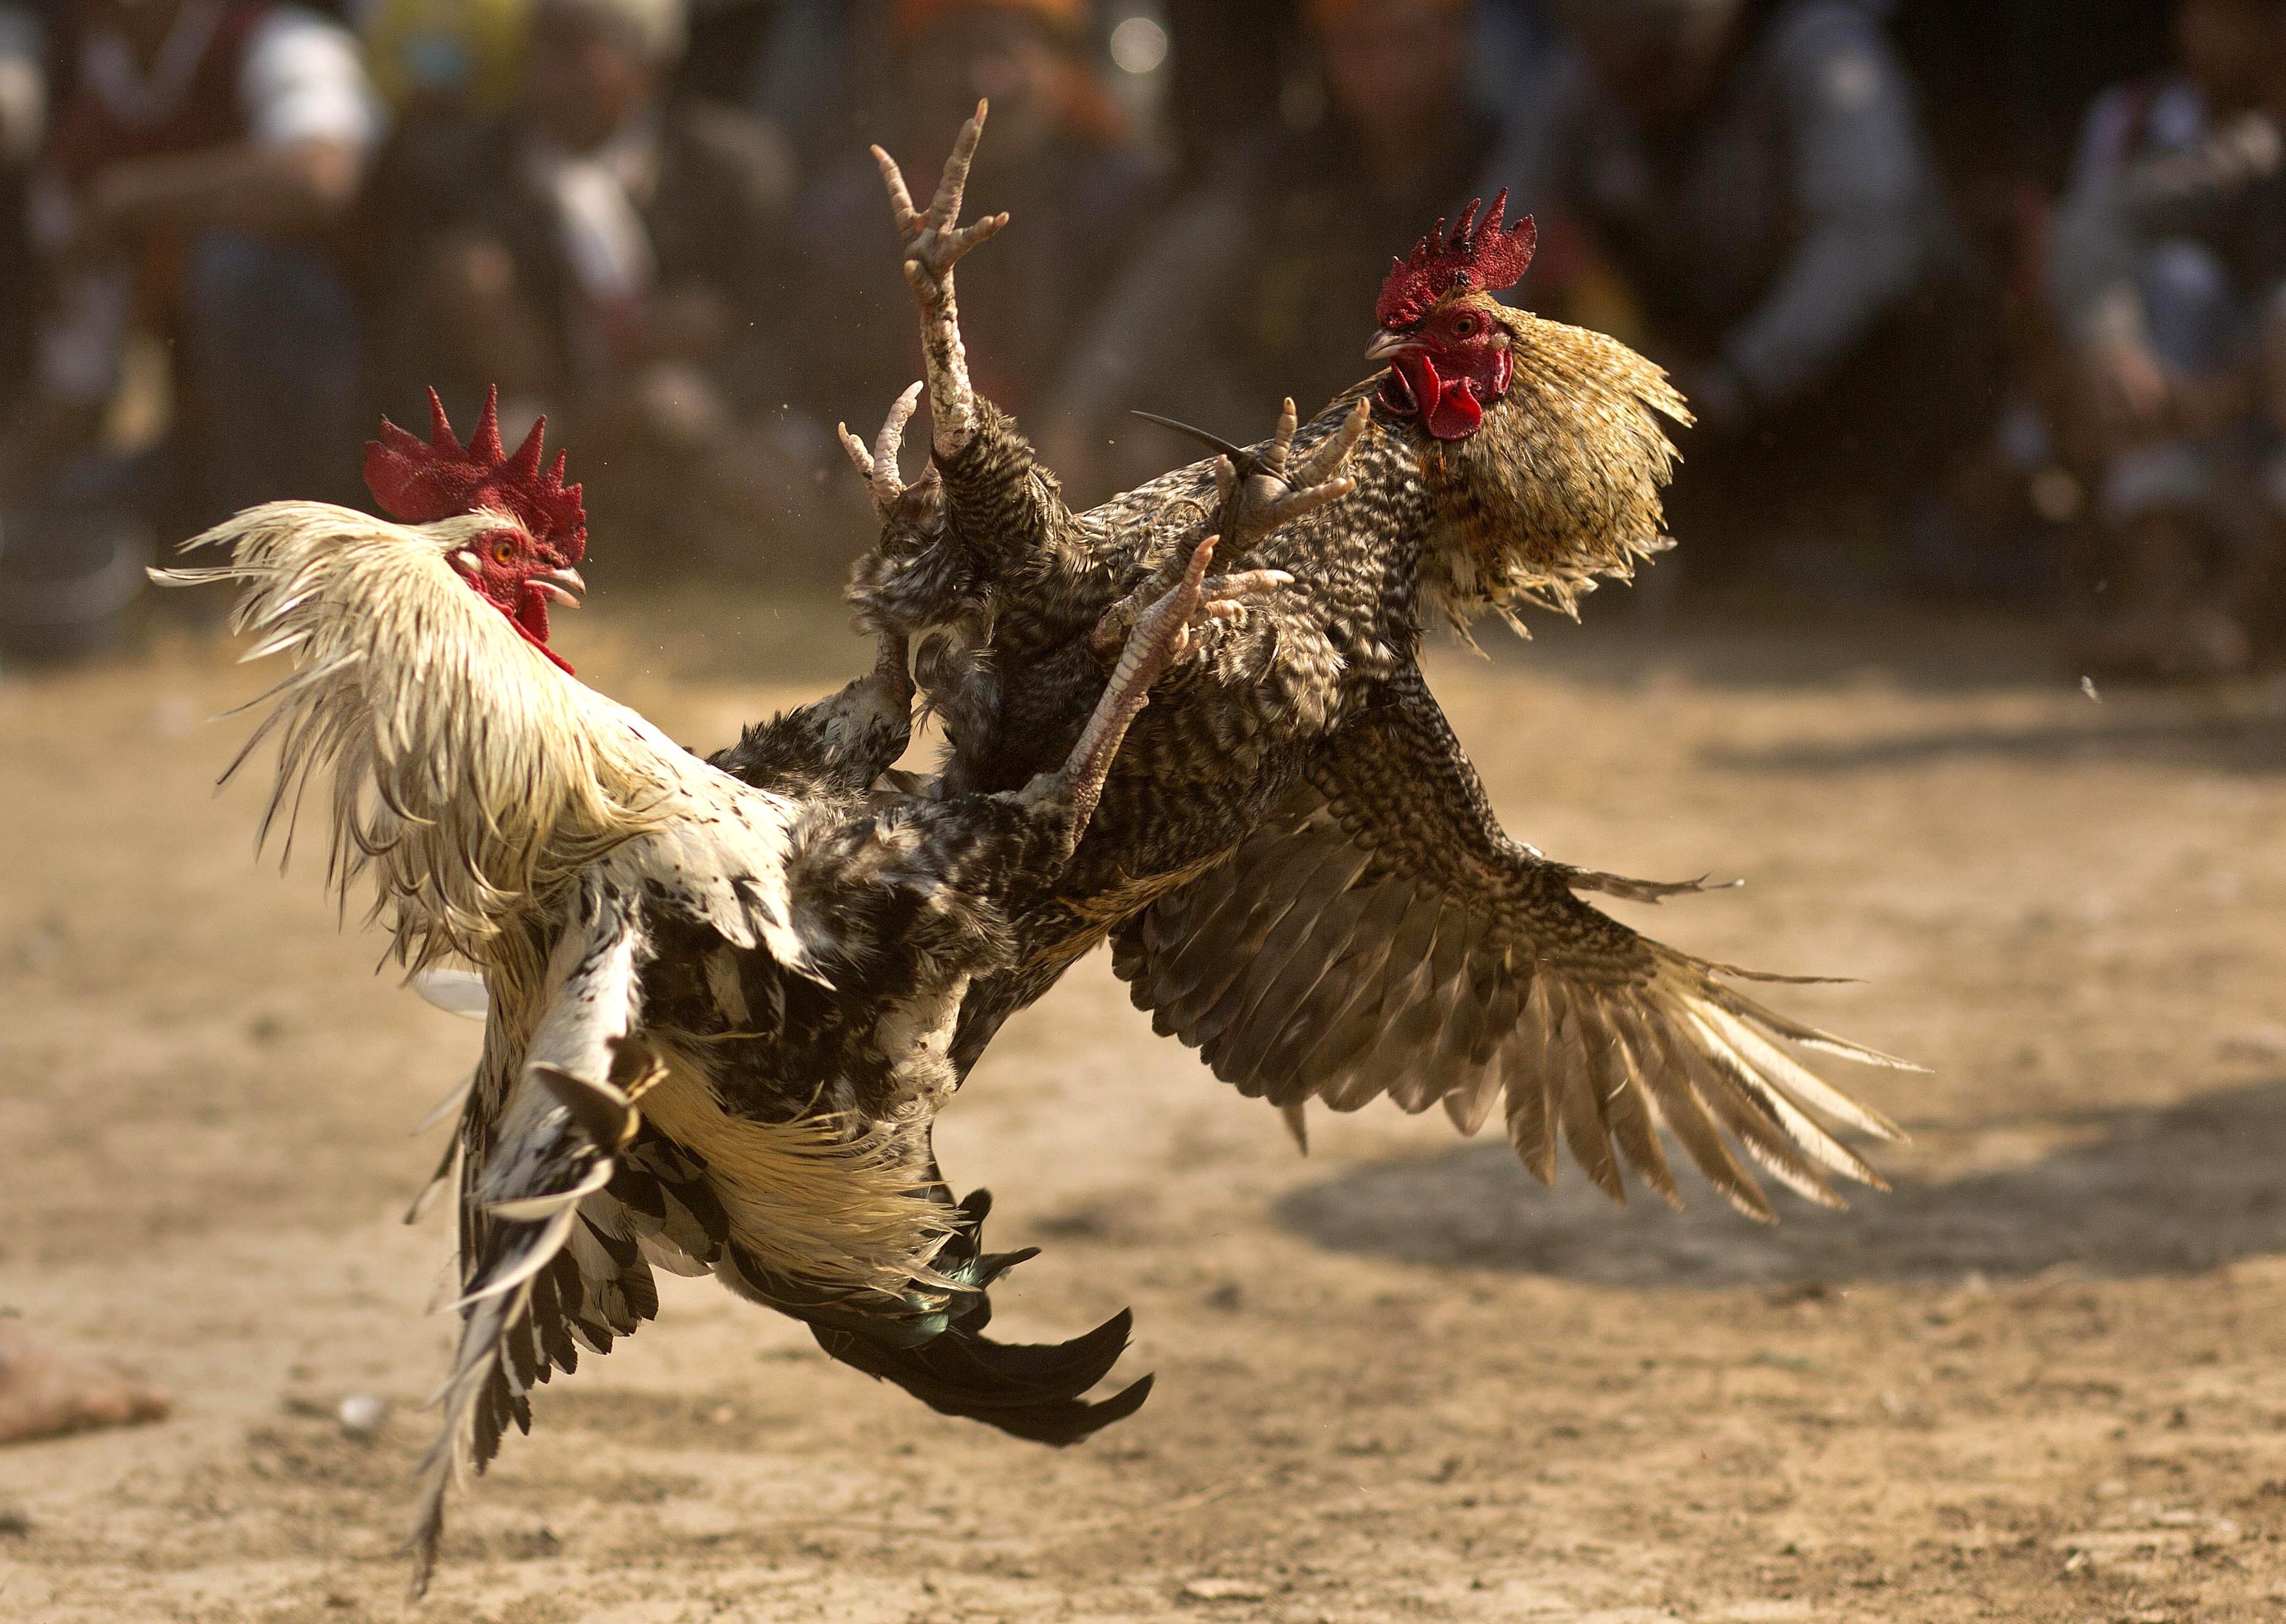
column 1983, row 301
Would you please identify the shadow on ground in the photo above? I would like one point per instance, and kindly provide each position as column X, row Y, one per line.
column 2175, row 1191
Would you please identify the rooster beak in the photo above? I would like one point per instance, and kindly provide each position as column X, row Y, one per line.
column 561, row 586
column 1388, row 346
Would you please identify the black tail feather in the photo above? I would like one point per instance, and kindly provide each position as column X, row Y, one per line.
column 1028, row 1390
column 1032, row 1395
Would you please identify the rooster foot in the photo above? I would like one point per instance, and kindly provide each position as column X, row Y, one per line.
column 934, row 242
column 1154, row 638
column 1261, row 491
column 1219, row 597
column 1031, row 1391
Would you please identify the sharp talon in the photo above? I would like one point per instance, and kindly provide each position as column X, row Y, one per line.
column 1253, row 583
column 878, row 466
column 901, row 197
column 1335, row 451
column 891, row 437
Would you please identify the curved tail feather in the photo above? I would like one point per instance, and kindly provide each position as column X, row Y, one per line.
column 1030, row 1390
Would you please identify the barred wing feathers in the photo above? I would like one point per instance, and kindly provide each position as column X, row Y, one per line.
column 1381, row 935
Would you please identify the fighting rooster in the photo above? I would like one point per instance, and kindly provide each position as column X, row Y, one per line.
column 720, row 995
column 1295, row 862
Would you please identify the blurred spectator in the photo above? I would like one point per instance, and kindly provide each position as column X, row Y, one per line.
column 450, row 71
column 1512, row 40
column 613, row 254
column 1756, row 173
column 23, row 85
column 202, row 155
column 2005, row 83
column 727, row 40
column 452, row 74
column 1055, row 158
column 443, row 59
column 2169, row 260
column 23, row 126
column 1263, row 284
column 204, row 151
column 803, row 76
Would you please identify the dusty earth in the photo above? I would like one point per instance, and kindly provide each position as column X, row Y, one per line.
column 2041, row 1380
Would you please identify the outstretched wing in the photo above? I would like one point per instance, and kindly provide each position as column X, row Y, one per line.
column 1381, row 935
column 550, row 1261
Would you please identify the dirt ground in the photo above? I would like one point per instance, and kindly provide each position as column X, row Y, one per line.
column 2041, row 1380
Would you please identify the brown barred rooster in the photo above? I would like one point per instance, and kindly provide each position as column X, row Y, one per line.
column 1294, row 859
column 720, row 995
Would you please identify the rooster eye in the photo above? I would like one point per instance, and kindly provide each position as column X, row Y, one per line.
column 504, row 552
column 1465, row 327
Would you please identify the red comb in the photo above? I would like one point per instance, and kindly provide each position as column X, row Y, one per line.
column 1479, row 255
column 418, row 482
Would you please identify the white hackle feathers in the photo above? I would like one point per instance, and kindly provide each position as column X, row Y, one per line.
column 469, row 777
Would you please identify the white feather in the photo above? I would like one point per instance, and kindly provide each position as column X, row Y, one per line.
column 456, row 992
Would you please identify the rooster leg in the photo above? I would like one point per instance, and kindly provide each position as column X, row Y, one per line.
column 893, row 676
column 1109, row 636
column 934, row 244
column 844, row 742
column 1160, row 634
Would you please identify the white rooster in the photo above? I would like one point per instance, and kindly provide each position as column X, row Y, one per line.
column 720, row 995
